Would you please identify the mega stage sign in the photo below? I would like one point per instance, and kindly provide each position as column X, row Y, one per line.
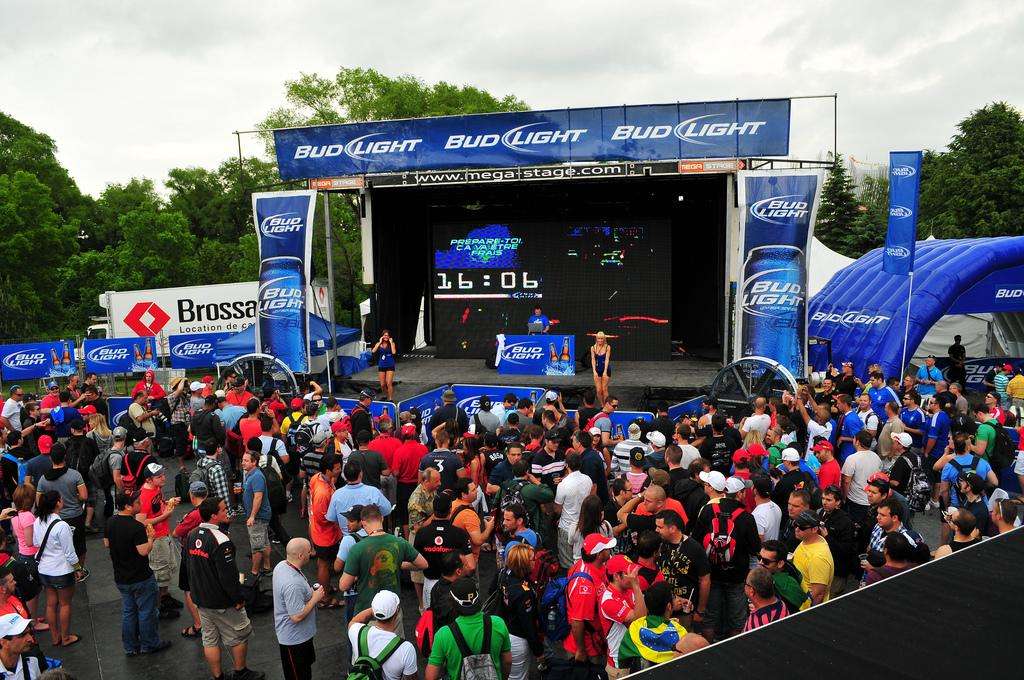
column 733, row 129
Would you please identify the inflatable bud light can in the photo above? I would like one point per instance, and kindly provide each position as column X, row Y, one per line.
column 282, row 311
column 774, row 305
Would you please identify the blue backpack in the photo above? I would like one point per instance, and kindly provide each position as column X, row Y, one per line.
column 22, row 466
column 553, row 608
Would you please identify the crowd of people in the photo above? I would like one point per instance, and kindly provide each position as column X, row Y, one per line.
column 613, row 550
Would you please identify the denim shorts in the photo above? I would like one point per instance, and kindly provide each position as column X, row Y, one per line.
column 58, row 582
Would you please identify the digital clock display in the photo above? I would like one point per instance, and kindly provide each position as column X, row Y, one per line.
column 585, row 275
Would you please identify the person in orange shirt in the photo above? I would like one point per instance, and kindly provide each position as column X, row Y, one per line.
column 9, row 602
column 323, row 533
column 238, row 395
column 465, row 516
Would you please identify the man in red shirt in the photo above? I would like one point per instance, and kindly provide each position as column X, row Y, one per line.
column 163, row 558
column 274, row 404
column 405, row 464
column 385, row 444
column 586, row 642
column 621, row 604
column 829, row 474
column 50, row 402
column 238, row 395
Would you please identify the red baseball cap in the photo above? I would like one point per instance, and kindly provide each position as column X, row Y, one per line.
column 823, row 445
column 408, row 428
column 1007, row 367
column 340, row 426
column 44, row 443
column 595, row 543
column 87, row 410
column 208, row 379
column 740, row 455
column 618, row 564
column 296, row 403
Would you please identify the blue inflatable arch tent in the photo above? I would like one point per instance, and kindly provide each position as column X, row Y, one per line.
column 863, row 310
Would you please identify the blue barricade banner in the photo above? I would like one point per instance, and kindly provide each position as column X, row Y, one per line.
column 194, row 350
column 467, row 397
column 732, row 129
column 777, row 218
column 427, row 403
column 376, row 408
column 536, row 354
column 901, row 237
column 284, row 227
column 977, row 369
column 117, row 407
column 120, row 355
column 692, row 407
column 38, row 360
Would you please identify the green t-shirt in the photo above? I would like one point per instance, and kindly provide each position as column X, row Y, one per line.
column 376, row 562
column 445, row 652
column 987, row 433
column 775, row 454
column 789, row 589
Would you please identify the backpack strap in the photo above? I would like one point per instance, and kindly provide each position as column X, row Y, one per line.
column 460, row 640
column 46, row 537
column 142, row 464
column 390, row 648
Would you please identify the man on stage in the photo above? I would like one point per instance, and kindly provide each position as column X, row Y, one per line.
column 538, row 318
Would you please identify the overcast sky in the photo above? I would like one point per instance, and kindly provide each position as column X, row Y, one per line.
column 133, row 89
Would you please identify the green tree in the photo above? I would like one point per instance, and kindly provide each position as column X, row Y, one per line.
column 868, row 229
column 115, row 201
column 36, row 241
column 976, row 188
column 838, row 209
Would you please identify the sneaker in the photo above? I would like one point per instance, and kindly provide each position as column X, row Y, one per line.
column 164, row 644
column 248, row 674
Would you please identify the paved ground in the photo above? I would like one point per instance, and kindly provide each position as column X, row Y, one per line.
column 97, row 618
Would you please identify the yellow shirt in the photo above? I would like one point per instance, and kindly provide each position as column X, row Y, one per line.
column 814, row 560
column 1015, row 388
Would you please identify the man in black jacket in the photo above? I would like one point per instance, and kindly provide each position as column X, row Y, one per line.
column 842, row 541
column 360, row 415
column 207, row 427
column 213, row 577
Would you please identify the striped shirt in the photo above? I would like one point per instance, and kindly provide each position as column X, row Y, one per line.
column 765, row 615
column 217, row 477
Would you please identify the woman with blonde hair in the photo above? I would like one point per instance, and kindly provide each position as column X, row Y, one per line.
column 519, row 608
column 601, row 365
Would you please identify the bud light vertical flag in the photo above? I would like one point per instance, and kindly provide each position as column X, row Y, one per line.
column 284, row 226
column 776, row 227
column 904, row 185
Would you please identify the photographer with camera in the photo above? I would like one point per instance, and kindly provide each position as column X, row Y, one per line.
column 143, row 415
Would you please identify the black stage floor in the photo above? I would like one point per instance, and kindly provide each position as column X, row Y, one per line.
column 630, row 380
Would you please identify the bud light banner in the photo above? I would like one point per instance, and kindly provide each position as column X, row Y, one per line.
column 194, row 350
column 120, row 355
column 426, row 402
column 900, row 239
column 284, row 227
column 38, row 360
column 536, row 355
column 731, row 129
column 776, row 227
column 467, row 397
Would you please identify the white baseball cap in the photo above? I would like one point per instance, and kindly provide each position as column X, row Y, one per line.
column 903, row 438
column 634, row 430
column 384, row 605
column 196, row 386
column 596, row 431
column 791, row 455
column 657, row 438
column 12, row 624
column 734, row 485
column 714, row 478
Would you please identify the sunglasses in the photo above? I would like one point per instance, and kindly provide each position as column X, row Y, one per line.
column 614, row 405
column 766, row 561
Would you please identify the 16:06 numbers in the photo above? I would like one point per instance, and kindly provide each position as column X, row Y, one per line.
column 508, row 281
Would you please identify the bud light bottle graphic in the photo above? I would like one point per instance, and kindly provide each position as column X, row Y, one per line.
column 282, row 311
column 774, row 306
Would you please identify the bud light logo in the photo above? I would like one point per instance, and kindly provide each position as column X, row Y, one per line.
column 21, row 360
column 849, row 319
column 358, row 148
column 770, row 294
column 281, row 225
column 778, row 208
column 117, row 416
column 1009, row 293
column 191, row 349
column 900, row 212
column 897, row 251
column 278, row 300
column 694, row 130
column 107, row 354
column 472, row 404
column 902, row 171
column 522, row 352
column 519, row 139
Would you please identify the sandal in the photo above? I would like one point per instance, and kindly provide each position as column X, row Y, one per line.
column 191, row 632
column 329, row 604
column 65, row 643
column 41, row 627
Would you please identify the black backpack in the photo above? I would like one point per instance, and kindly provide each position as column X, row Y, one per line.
column 1003, row 451
column 135, row 433
column 275, row 486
